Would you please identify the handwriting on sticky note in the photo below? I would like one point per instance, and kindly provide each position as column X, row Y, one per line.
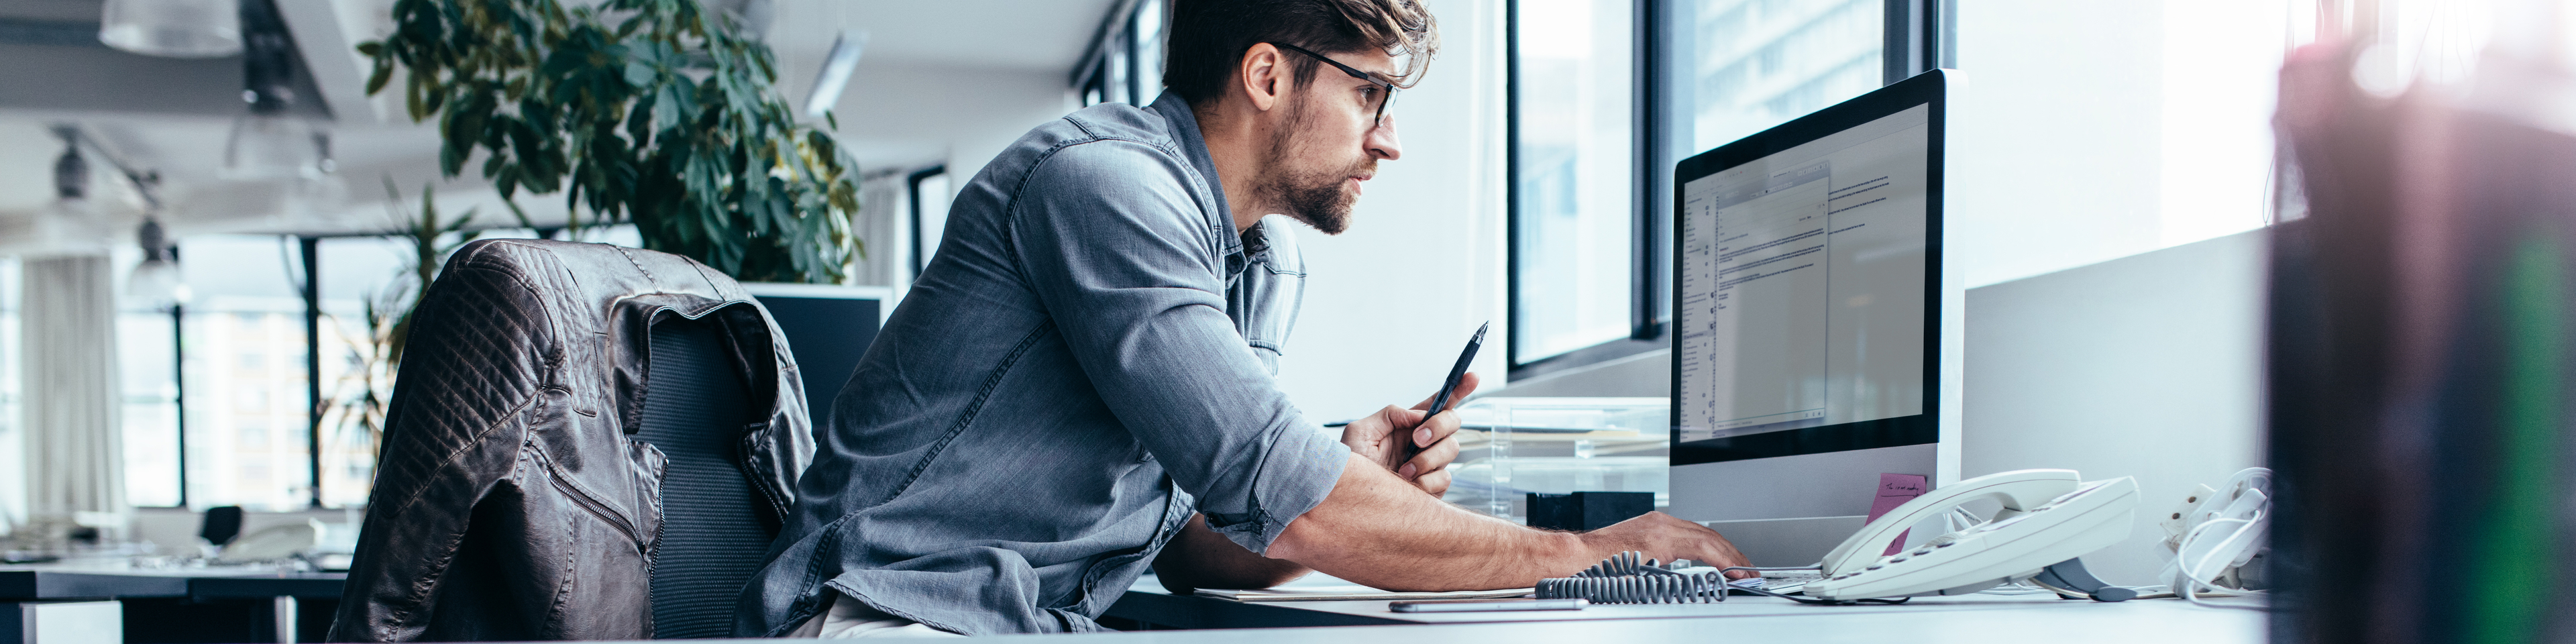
column 1894, row 490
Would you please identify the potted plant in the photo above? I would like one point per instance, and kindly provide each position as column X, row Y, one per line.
column 650, row 111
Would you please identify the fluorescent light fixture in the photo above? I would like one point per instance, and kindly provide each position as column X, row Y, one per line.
column 172, row 28
column 276, row 146
column 836, row 72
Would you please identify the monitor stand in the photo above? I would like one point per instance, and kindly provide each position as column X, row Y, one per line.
column 1790, row 510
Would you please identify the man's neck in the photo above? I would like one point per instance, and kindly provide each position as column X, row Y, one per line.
column 1235, row 146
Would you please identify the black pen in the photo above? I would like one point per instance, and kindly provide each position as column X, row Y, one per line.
column 1441, row 400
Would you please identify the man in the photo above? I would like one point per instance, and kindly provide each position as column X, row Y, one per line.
column 1079, row 386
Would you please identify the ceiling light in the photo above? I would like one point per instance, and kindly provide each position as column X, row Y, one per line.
column 836, row 72
column 155, row 282
column 276, row 146
column 70, row 225
column 172, row 28
column 271, row 141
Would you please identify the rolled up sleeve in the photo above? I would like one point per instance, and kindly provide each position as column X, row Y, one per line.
column 1133, row 275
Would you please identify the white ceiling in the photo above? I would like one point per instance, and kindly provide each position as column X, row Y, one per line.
column 1007, row 34
column 907, row 39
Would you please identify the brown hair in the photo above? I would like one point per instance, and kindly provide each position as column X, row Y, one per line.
column 1209, row 38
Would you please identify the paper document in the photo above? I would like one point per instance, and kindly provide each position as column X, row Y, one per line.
column 1351, row 593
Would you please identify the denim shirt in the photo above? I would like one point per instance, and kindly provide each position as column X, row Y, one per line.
column 1087, row 360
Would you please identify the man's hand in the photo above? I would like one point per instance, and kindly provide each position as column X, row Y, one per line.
column 1384, row 437
column 1663, row 537
column 1381, row 532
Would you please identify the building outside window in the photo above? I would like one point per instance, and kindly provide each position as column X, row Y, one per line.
column 232, row 364
column 1753, row 64
column 241, row 352
column 148, row 373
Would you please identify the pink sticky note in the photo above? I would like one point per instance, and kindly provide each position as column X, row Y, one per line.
column 1894, row 490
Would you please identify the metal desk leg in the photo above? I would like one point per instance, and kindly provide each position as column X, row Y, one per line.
column 43, row 622
column 282, row 610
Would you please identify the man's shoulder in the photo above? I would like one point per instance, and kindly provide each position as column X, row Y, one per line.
column 1147, row 132
column 1110, row 143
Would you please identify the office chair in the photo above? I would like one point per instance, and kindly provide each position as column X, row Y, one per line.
column 712, row 540
column 584, row 442
column 221, row 525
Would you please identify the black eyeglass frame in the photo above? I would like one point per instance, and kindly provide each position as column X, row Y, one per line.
column 1374, row 121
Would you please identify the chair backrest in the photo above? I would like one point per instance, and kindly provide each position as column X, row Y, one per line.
column 695, row 406
column 223, row 522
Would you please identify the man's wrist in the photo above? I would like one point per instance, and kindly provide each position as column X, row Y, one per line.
column 1574, row 551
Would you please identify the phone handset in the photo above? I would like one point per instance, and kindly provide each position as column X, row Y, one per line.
column 2020, row 491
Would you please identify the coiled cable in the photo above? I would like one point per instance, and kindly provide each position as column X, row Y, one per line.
column 1675, row 588
column 1632, row 578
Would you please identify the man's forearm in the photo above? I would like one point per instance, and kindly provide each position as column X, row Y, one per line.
column 1377, row 530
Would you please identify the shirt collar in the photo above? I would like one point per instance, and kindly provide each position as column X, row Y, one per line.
column 1185, row 129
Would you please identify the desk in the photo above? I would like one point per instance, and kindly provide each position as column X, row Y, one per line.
column 2154, row 621
column 241, row 603
column 1974, row 617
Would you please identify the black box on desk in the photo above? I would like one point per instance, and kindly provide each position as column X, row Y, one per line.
column 1587, row 510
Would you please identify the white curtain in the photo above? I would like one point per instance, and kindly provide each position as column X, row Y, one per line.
column 74, row 448
column 884, row 222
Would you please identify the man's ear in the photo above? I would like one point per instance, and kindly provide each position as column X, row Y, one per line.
column 1264, row 75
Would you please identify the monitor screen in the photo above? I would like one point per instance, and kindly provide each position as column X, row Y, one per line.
column 1807, row 286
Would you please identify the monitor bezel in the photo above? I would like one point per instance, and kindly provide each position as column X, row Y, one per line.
column 1929, row 88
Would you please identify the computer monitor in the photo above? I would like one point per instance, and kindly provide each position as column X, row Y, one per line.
column 1817, row 313
column 828, row 330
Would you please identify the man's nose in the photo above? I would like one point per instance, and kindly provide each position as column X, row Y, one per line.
column 1381, row 140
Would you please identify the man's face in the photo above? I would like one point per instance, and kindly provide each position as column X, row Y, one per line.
column 1329, row 140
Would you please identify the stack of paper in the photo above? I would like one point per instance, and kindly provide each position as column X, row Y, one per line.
column 1351, row 593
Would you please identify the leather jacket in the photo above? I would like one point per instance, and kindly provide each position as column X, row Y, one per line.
column 509, row 501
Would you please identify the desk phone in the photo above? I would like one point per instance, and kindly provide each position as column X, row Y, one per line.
column 2048, row 517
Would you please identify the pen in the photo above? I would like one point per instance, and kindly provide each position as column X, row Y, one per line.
column 1456, row 372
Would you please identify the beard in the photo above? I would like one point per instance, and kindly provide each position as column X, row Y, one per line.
column 1314, row 196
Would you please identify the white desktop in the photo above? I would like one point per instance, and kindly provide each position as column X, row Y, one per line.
column 1818, row 321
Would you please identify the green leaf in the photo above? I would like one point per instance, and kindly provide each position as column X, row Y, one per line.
column 384, row 72
column 635, row 110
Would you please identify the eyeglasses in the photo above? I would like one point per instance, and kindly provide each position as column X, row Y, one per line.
column 1386, row 90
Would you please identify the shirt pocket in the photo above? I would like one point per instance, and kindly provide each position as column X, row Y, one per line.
column 1267, row 297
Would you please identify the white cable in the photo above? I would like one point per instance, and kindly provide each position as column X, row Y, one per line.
column 2190, row 589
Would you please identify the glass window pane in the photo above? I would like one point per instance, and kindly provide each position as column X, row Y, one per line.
column 13, row 489
column 1114, row 70
column 1753, row 64
column 1149, row 50
column 147, row 357
column 244, row 364
column 934, row 194
column 1576, row 181
column 366, row 282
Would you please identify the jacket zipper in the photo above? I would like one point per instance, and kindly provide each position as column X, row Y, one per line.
column 594, row 505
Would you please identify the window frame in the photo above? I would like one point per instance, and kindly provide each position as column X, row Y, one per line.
column 1089, row 79
column 912, row 203
column 1919, row 35
column 178, row 396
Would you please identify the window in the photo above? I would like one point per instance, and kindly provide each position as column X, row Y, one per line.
column 218, row 391
column 1606, row 95
column 1146, row 37
column 239, row 352
column 366, row 280
column 148, row 367
column 1125, row 63
column 927, row 191
column 13, row 490
column 1752, row 64
column 1575, row 175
